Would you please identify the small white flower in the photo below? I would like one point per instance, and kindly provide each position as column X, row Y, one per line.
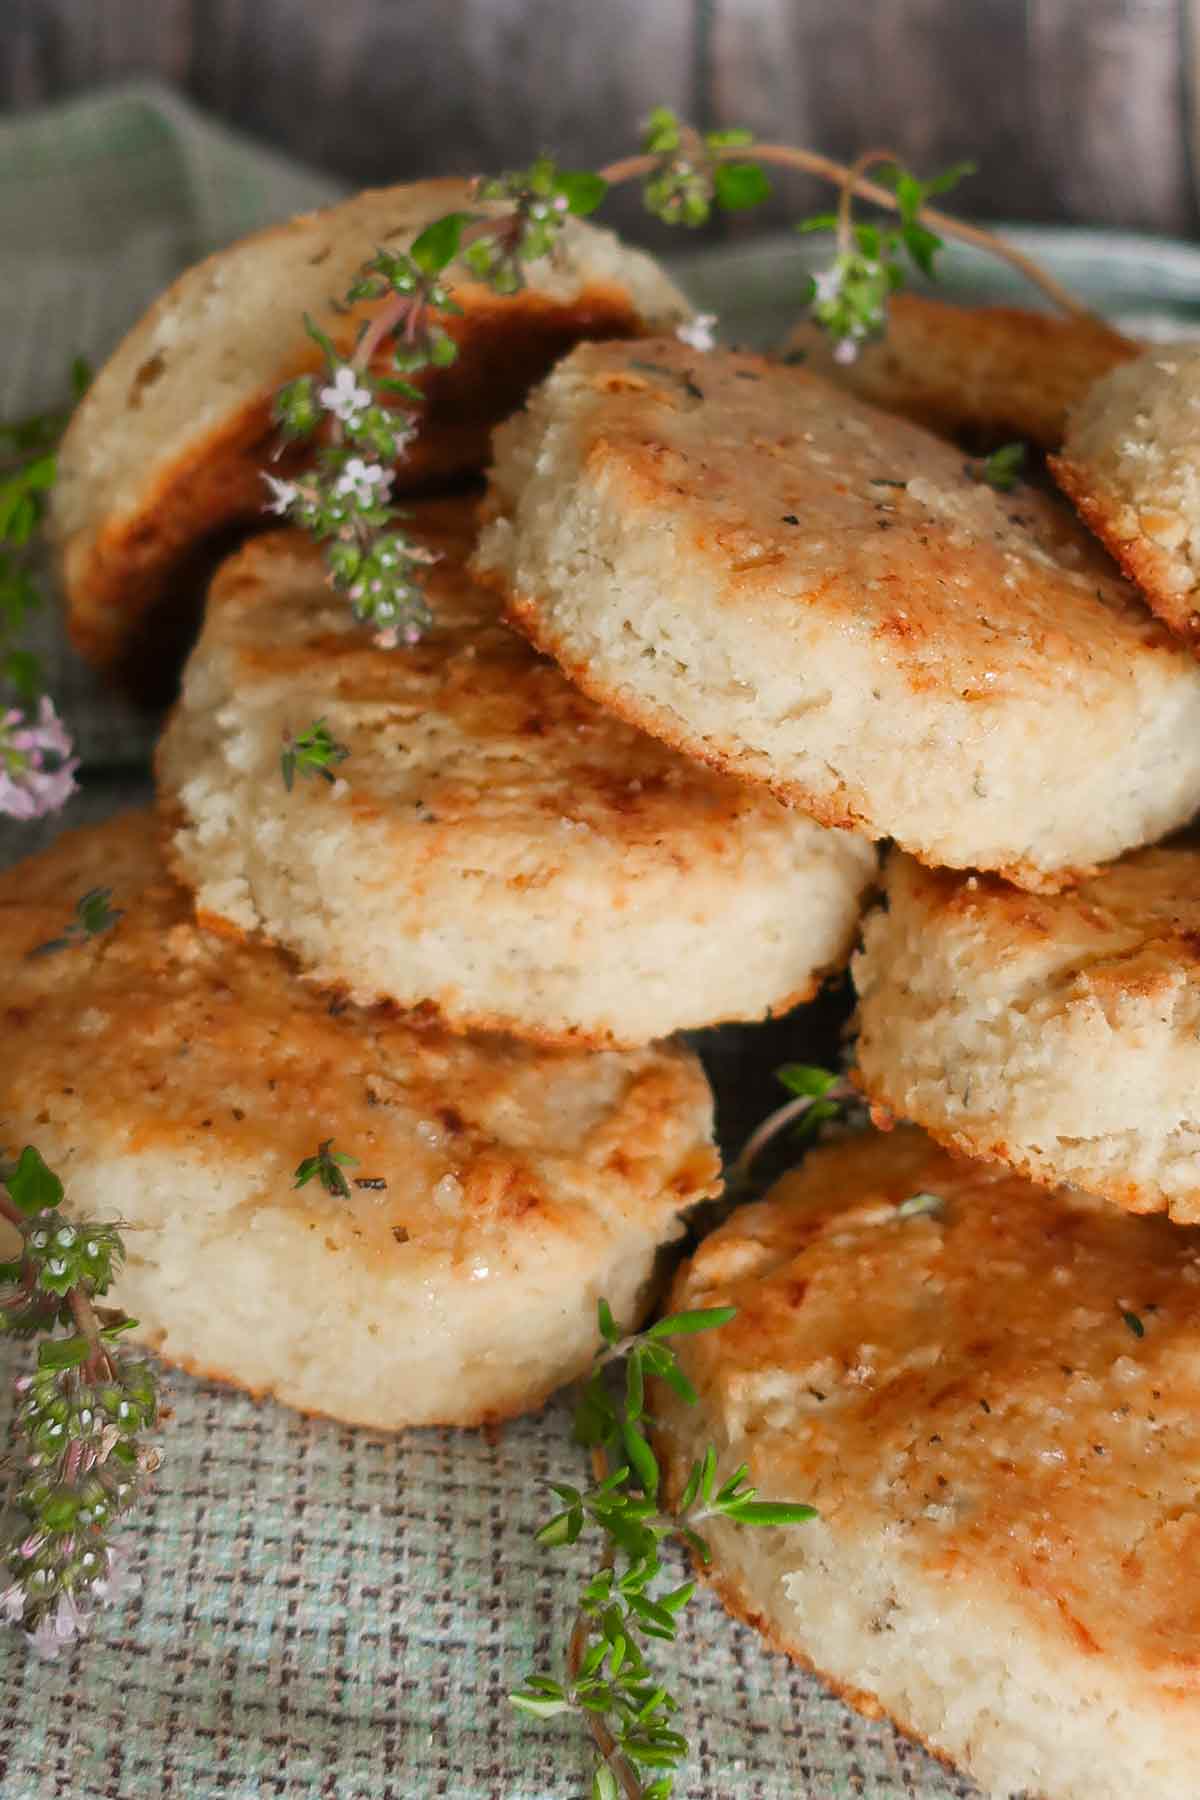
column 119, row 1582
column 345, row 399
column 12, row 1603
column 827, row 285
column 387, row 640
column 363, row 482
column 698, row 333
column 845, row 351
column 44, row 1640
column 31, row 786
column 67, row 1621
column 283, row 494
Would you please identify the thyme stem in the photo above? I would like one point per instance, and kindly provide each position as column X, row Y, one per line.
column 602, row 1737
column 811, row 162
column 778, row 1121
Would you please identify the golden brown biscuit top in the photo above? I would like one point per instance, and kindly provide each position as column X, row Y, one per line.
column 158, row 1035
column 1007, row 1385
column 469, row 726
column 987, row 370
column 785, row 495
column 1132, row 930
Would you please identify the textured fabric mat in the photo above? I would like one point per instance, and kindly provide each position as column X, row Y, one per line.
column 326, row 1613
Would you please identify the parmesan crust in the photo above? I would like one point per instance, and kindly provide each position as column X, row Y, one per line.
column 501, row 850
column 992, row 1402
column 1060, row 1035
column 811, row 594
column 176, row 1080
column 985, row 373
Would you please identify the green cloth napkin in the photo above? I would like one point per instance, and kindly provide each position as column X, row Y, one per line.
column 102, row 202
column 325, row 1613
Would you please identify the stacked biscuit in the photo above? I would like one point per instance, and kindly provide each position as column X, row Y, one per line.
column 719, row 629
column 984, row 1379
column 448, row 985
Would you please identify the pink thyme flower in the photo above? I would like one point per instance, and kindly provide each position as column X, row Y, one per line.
column 345, row 398
column 283, row 494
column 827, row 285
column 53, row 1630
column 37, row 770
column 363, row 482
column 119, row 1582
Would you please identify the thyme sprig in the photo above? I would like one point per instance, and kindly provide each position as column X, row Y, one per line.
column 94, row 915
column 313, row 752
column 849, row 298
column 361, row 420
column 81, row 1414
column 325, row 1165
column 610, row 1681
column 818, row 1095
column 1003, row 468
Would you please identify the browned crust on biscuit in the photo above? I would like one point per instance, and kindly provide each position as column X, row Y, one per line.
column 1140, row 558
column 734, row 1599
column 116, row 574
column 484, row 1418
column 981, row 1146
column 980, row 372
column 464, row 1022
column 525, row 616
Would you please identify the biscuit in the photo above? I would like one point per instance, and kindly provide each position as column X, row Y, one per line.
column 991, row 1399
column 815, row 595
column 176, row 1080
column 1131, row 464
column 170, row 442
column 1059, row 1035
column 983, row 373
column 502, row 849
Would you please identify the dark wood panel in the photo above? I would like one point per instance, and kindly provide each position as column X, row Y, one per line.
column 936, row 83
column 1073, row 108
column 1109, row 102
column 376, row 89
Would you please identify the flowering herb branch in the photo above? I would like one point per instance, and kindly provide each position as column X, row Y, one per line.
column 610, row 1681
column 361, row 421
column 37, row 771
column 81, row 1414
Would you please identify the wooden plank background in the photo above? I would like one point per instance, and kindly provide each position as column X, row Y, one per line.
column 1074, row 109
